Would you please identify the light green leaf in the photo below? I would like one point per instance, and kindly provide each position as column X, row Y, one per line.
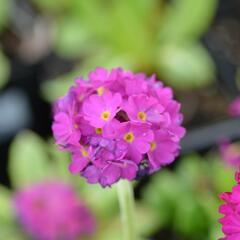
column 55, row 88
column 190, row 219
column 161, row 194
column 72, row 39
column 28, row 159
column 186, row 19
column 4, row 69
column 186, row 66
column 4, row 12
column 60, row 161
column 11, row 233
column 52, row 6
column 149, row 220
column 145, row 227
column 6, row 208
column 103, row 201
column 223, row 177
column 194, row 173
column 216, row 232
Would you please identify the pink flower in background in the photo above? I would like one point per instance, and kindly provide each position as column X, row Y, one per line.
column 118, row 125
column 230, row 153
column 234, row 108
column 231, row 211
column 52, row 211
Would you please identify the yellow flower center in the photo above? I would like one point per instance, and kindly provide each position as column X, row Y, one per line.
column 153, row 145
column 142, row 116
column 129, row 137
column 98, row 130
column 100, row 91
column 84, row 153
column 105, row 115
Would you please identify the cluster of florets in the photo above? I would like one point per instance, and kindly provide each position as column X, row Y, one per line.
column 231, row 211
column 118, row 125
column 52, row 211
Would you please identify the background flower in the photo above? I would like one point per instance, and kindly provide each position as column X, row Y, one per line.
column 51, row 210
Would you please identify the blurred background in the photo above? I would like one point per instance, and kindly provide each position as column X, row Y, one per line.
column 192, row 45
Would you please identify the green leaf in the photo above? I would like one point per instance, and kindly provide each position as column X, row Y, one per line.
column 103, row 201
column 6, row 208
column 4, row 69
column 52, row 6
column 193, row 171
column 223, row 177
column 216, row 232
column 11, row 233
column 28, row 159
column 4, row 12
column 161, row 194
column 109, row 231
column 60, row 161
column 186, row 66
column 72, row 39
column 113, row 228
column 187, row 19
column 149, row 220
column 190, row 219
column 53, row 89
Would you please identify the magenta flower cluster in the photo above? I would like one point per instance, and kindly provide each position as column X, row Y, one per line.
column 231, row 211
column 117, row 125
column 52, row 211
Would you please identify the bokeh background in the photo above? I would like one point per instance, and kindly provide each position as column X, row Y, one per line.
column 191, row 45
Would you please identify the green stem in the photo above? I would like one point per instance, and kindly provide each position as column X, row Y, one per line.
column 126, row 201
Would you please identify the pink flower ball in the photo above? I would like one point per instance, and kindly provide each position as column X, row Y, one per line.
column 52, row 211
column 231, row 211
column 118, row 125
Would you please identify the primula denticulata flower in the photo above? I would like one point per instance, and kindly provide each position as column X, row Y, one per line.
column 118, row 125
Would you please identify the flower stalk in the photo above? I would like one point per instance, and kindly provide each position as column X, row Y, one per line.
column 126, row 201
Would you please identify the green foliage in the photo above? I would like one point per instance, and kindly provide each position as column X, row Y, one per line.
column 4, row 70
column 52, row 6
column 103, row 201
column 4, row 12
column 186, row 20
column 186, row 66
column 223, row 177
column 6, row 213
column 142, row 35
column 28, row 160
column 187, row 199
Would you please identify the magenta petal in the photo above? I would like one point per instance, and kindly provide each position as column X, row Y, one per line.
column 78, row 164
column 91, row 173
column 129, row 170
column 110, row 175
